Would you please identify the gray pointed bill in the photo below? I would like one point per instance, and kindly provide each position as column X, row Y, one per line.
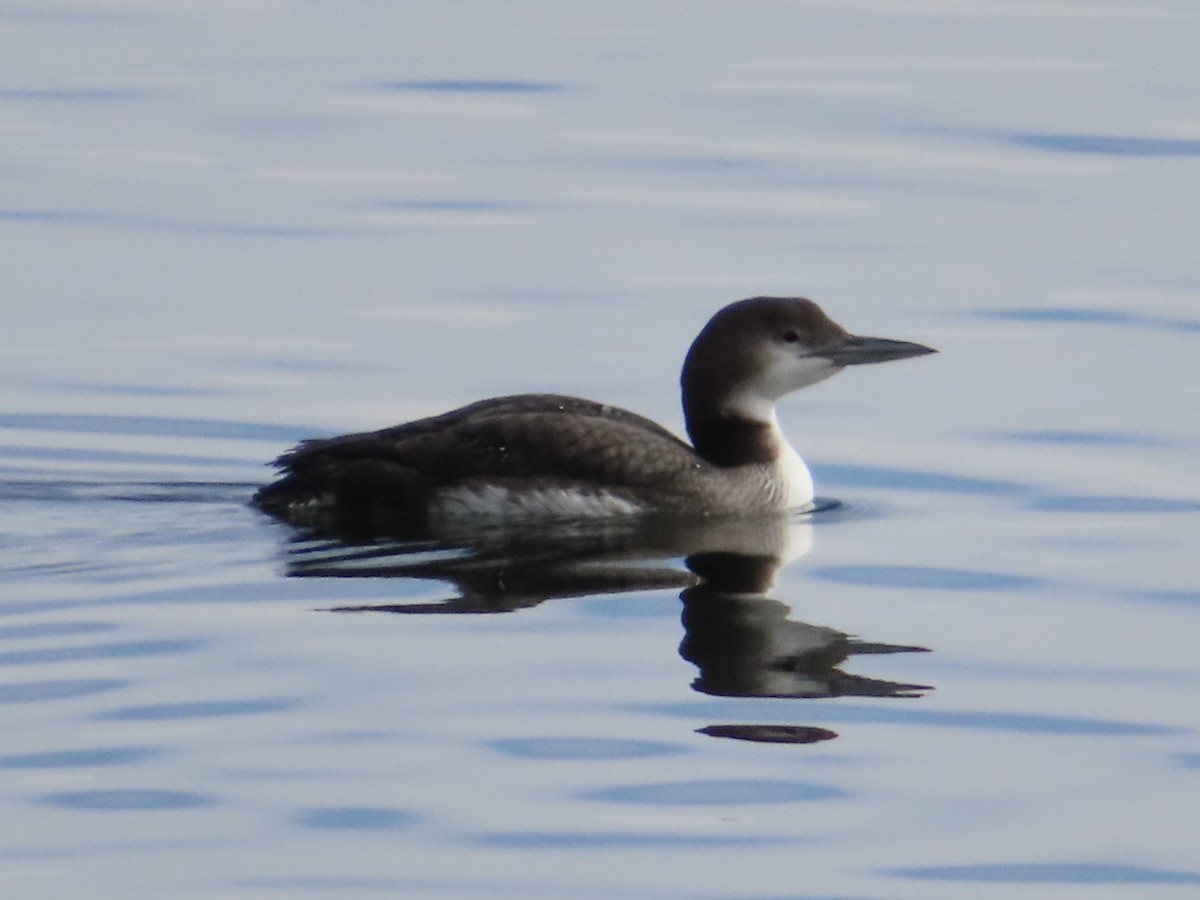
column 857, row 351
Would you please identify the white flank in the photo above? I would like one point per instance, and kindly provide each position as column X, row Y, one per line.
column 499, row 503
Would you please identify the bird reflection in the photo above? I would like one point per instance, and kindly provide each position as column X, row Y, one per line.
column 740, row 639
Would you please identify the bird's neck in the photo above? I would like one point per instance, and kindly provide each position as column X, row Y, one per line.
column 736, row 438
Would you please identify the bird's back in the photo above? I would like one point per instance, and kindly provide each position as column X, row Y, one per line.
column 520, row 444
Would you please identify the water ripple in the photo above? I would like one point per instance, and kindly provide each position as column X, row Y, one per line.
column 92, row 492
column 733, row 791
column 472, row 86
column 129, row 799
column 106, row 219
column 357, row 818
column 71, row 95
column 45, row 454
column 900, row 479
column 71, row 759
column 1103, row 144
column 1084, row 503
column 159, row 426
column 584, row 748
column 1183, row 597
column 1049, row 873
column 927, row 578
column 197, row 709
column 602, row 840
column 1082, row 438
column 61, row 689
column 1069, row 315
column 52, row 629
column 114, row 650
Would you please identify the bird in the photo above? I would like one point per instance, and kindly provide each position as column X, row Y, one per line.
column 532, row 458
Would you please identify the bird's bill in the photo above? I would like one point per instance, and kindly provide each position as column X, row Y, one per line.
column 857, row 351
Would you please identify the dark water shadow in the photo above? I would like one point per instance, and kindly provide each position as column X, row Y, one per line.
column 741, row 640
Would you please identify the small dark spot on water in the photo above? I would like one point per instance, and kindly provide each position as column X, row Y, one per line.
column 770, row 734
column 1048, row 873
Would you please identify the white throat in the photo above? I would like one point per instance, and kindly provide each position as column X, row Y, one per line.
column 791, row 470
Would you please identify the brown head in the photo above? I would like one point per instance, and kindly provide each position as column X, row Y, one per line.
column 752, row 353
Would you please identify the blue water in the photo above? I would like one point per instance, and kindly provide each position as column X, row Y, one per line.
column 228, row 227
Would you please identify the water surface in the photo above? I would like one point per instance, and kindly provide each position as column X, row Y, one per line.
column 228, row 227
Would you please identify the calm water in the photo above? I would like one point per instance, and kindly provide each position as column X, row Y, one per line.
column 225, row 227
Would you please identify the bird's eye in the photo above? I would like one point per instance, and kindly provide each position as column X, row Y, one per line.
column 791, row 337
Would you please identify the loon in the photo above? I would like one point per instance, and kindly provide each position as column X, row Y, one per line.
column 533, row 457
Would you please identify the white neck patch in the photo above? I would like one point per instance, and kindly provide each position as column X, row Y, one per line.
column 792, row 471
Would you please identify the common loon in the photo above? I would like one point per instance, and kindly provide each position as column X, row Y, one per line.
column 532, row 457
